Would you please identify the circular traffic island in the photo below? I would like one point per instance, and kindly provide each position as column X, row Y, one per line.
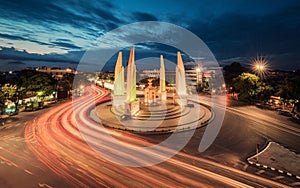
column 154, row 118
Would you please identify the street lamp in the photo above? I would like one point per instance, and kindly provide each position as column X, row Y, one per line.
column 260, row 66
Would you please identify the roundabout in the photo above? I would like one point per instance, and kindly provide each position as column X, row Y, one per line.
column 154, row 119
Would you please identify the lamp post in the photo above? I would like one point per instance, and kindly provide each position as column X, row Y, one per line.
column 260, row 66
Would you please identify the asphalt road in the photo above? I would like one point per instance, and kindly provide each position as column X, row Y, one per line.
column 55, row 154
column 19, row 167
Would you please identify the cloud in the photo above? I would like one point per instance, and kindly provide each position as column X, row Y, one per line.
column 230, row 28
column 141, row 16
column 6, row 36
column 66, row 45
column 16, row 62
column 236, row 34
column 12, row 37
column 12, row 53
column 37, row 21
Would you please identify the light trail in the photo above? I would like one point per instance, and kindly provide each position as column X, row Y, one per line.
column 55, row 139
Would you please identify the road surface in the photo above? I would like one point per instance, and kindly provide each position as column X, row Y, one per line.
column 65, row 159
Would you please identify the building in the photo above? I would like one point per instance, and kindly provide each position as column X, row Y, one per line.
column 56, row 73
column 194, row 74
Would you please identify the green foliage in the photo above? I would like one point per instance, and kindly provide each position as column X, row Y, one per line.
column 29, row 83
column 40, row 83
column 264, row 91
column 2, row 99
column 202, row 86
column 12, row 92
column 250, row 87
column 289, row 90
column 66, row 83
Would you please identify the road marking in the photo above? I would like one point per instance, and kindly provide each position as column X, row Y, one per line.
column 265, row 166
column 45, row 185
column 260, row 172
column 27, row 171
column 280, row 171
column 295, row 183
column 278, row 177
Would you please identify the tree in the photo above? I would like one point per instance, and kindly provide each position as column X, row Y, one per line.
column 264, row 91
column 40, row 83
column 13, row 93
column 289, row 90
column 247, row 85
column 2, row 100
column 202, row 86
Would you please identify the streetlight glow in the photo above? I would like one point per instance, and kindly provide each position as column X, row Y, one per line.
column 260, row 66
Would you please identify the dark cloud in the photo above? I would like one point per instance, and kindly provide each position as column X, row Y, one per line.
column 73, row 13
column 65, row 45
column 6, row 36
column 63, row 40
column 141, row 16
column 17, row 62
column 12, row 37
column 238, row 35
column 12, row 53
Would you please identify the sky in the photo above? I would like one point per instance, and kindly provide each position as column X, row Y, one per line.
column 61, row 31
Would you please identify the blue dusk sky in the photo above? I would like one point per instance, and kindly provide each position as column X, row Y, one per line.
column 58, row 32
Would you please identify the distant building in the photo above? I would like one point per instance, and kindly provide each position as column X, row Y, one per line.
column 56, row 72
column 194, row 74
column 152, row 73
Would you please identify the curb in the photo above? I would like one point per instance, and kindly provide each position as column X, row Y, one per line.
column 268, row 167
column 184, row 128
column 273, row 169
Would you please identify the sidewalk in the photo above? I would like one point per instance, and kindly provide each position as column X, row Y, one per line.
column 279, row 158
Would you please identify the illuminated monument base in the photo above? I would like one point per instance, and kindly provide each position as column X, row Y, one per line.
column 163, row 96
column 181, row 100
column 153, row 118
column 131, row 108
column 119, row 101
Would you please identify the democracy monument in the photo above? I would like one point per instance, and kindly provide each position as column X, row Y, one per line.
column 156, row 110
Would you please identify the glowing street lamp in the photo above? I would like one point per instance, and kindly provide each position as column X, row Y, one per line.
column 260, row 66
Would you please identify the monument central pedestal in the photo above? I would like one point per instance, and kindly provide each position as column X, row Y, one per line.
column 118, row 101
column 181, row 100
column 132, row 108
